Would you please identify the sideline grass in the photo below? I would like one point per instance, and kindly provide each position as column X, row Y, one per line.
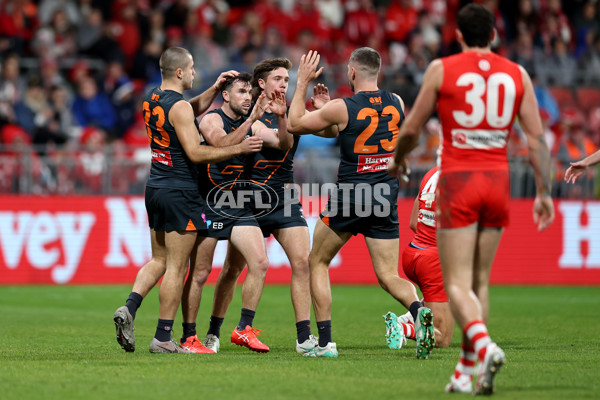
column 59, row 343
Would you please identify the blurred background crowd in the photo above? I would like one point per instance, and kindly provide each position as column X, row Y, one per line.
column 73, row 73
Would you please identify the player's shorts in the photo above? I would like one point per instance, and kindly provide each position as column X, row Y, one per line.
column 174, row 210
column 220, row 221
column 468, row 197
column 377, row 220
column 423, row 267
column 281, row 215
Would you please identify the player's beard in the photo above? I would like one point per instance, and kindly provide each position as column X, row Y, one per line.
column 351, row 85
column 238, row 109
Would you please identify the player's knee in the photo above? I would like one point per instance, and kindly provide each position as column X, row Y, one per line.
column 443, row 340
column 300, row 266
column 200, row 277
column 260, row 266
column 316, row 260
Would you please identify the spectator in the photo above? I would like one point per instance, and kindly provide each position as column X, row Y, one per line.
column 32, row 111
column 12, row 85
column 93, row 108
column 586, row 26
column 362, row 23
column 400, row 19
column 91, row 161
column 56, row 40
column 145, row 63
column 125, row 31
column 546, row 100
column 589, row 64
column 18, row 21
column 559, row 67
column 119, row 88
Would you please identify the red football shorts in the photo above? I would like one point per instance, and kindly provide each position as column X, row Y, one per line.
column 424, row 269
column 466, row 197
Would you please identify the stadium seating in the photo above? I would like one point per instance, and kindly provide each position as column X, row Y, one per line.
column 588, row 98
column 564, row 96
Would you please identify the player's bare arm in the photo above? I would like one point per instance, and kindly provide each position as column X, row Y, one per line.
column 202, row 102
column 214, row 133
column 531, row 123
column 414, row 216
column 420, row 112
column 300, row 121
column 579, row 168
column 182, row 118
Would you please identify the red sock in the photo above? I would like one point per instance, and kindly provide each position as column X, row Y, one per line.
column 478, row 335
column 467, row 361
column 409, row 330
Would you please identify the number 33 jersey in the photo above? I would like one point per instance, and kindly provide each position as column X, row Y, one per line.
column 171, row 167
column 369, row 140
column 478, row 100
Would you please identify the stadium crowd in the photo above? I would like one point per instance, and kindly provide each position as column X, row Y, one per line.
column 73, row 73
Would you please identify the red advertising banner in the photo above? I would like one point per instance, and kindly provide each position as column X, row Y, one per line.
column 104, row 240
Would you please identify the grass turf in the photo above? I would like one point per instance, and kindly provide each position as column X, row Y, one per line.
column 59, row 343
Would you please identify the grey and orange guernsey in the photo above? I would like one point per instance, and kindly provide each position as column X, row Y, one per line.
column 366, row 197
column 171, row 167
column 220, row 184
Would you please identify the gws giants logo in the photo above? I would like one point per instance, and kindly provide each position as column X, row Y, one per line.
column 243, row 195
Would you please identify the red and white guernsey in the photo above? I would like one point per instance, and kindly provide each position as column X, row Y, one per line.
column 477, row 104
column 426, row 221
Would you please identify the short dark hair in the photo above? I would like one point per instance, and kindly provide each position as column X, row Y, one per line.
column 263, row 69
column 230, row 80
column 476, row 23
column 173, row 58
column 366, row 60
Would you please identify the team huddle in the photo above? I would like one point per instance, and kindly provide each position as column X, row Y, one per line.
column 248, row 145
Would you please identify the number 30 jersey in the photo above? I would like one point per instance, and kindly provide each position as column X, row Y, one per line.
column 369, row 140
column 171, row 167
column 478, row 100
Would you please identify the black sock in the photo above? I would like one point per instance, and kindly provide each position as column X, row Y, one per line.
column 246, row 318
column 189, row 330
column 215, row 326
column 134, row 301
column 303, row 330
column 414, row 309
column 163, row 330
column 324, row 328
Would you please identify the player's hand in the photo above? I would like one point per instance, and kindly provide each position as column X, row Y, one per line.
column 252, row 144
column 575, row 171
column 278, row 104
column 543, row 212
column 320, row 96
column 398, row 170
column 261, row 105
column 307, row 70
column 221, row 79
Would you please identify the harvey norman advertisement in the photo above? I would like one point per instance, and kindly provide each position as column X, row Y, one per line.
column 103, row 240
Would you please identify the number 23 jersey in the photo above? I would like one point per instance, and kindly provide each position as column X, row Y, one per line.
column 171, row 167
column 478, row 100
column 369, row 140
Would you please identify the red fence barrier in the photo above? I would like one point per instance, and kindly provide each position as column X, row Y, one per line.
column 101, row 240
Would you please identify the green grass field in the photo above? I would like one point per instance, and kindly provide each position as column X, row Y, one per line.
column 59, row 343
